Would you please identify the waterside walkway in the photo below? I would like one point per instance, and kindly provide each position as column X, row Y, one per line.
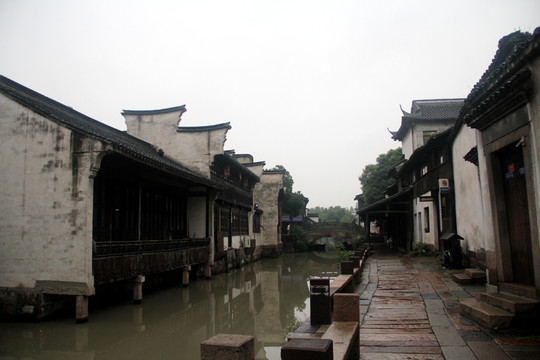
column 409, row 310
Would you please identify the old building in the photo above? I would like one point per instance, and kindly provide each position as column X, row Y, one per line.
column 426, row 118
column 242, row 184
column 85, row 205
column 267, row 198
column 497, row 155
column 419, row 208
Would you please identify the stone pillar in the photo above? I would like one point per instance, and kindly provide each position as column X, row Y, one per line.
column 228, row 347
column 185, row 275
column 81, row 309
column 137, row 289
column 320, row 301
column 208, row 271
column 138, row 321
column 81, row 338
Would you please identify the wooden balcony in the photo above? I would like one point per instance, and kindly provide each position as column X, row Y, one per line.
column 124, row 260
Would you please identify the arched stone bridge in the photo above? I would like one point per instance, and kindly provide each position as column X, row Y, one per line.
column 345, row 231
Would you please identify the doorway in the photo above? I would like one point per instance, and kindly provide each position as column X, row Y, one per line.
column 516, row 206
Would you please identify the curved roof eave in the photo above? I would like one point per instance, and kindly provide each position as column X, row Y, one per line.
column 226, row 125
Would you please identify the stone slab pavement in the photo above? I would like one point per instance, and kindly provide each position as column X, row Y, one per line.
column 409, row 310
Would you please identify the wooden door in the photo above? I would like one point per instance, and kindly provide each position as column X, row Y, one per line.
column 517, row 214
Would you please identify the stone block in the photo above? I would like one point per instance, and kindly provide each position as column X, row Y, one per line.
column 346, row 307
column 355, row 260
column 308, row 349
column 228, row 347
column 347, row 268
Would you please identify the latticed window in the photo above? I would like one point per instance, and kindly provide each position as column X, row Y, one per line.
column 239, row 222
column 224, row 220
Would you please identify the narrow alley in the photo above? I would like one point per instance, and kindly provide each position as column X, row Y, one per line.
column 409, row 310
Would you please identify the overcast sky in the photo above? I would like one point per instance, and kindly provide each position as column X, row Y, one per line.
column 310, row 85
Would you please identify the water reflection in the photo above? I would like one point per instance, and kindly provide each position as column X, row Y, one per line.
column 265, row 299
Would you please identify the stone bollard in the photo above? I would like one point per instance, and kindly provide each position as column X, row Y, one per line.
column 320, row 301
column 355, row 260
column 308, row 349
column 228, row 347
column 346, row 307
column 347, row 268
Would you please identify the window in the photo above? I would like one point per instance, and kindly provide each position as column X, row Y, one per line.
column 426, row 219
column 428, row 134
column 239, row 222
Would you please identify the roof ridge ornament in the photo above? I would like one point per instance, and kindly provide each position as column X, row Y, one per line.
column 403, row 111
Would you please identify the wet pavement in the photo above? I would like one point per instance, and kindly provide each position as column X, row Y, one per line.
column 409, row 310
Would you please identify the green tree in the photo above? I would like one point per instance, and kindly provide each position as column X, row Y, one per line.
column 287, row 178
column 294, row 202
column 375, row 179
column 333, row 214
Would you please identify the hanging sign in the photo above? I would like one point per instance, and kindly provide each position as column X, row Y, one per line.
column 444, row 186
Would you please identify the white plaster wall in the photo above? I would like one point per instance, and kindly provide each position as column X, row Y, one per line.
column 467, row 192
column 196, row 209
column 266, row 194
column 534, row 115
column 46, row 207
column 407, row 144
column 430, row 237
column 193, row 149
column 196, row 150
column 157, row 129
column 488, row 228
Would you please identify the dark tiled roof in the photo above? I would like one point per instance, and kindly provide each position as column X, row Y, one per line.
column 181, row 108
column 503, row 76
column 235, row 163
column 433, row 110
column 436, row 109
column 226, row 125
column 120, row 141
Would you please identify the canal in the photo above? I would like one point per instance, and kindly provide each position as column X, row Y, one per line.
column 266, row 299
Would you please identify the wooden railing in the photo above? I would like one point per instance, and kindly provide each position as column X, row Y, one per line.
column 120, row 248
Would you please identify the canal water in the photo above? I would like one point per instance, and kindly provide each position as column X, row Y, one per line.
column 266, row 299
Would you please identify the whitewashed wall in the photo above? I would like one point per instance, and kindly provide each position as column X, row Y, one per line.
column 193, row 149
column 468, row 192
column 46, row 207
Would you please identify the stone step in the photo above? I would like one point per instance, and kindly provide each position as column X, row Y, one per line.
column 462, row 278
column 476, row 273
column 518, row 289
column 508, row 302
column 484, row 314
